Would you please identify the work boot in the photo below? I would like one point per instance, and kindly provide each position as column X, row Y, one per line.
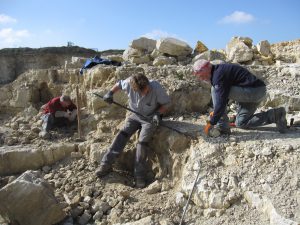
column 280, row 119
column 140, row 182
column 225, row 130
column 103, row 170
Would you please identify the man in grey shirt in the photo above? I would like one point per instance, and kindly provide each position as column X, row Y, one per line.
column 147, row 98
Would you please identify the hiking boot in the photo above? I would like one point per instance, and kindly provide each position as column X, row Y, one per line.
column 217, row 131
column 140, row 182
column 226, row 131
column 280, row 119
column 103, row 170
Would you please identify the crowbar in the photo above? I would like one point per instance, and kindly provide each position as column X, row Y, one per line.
column 189, row 198
column 144, row 117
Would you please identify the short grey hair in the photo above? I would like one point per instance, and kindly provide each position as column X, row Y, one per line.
column 65, row 98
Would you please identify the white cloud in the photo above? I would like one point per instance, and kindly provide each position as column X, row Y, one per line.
column 237, row 17
column 4, row 19
column 10, row 37
column 157, row 34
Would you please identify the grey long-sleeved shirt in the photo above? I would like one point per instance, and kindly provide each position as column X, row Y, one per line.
column 148, row 104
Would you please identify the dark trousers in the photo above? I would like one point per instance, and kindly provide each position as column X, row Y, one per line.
column 133, row 123
column 49, row 122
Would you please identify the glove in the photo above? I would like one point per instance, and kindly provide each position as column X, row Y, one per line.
column 207, row 128
column 156, row 119
column 108, row 97
column 72, row 115
column 211, row 131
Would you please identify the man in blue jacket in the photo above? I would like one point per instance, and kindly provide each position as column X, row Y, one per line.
column 232, row 81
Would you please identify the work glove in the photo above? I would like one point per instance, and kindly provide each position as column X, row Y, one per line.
column 108, row 97
column 211, row 131
column 156, row 119
column 73, row 115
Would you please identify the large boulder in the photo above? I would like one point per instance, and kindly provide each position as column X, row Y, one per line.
column 143, row 43
column 239, row 50
column 200, row 47
column 29, row 200
column 239, row 53
column 264, row 48
column 17, row 159
column 173, row 47
column 98, row 75
column 136, row 56
column 246, row 40
column 211, row 55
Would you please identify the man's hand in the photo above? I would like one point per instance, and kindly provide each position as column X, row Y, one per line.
column 108, row 97
column 207, row 128
column 156, row 119
column 73, row 115
column 211, row 131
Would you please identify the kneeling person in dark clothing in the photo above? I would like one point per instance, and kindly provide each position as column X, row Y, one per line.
column 147, row 98
column 58, row 112
column 232, row 81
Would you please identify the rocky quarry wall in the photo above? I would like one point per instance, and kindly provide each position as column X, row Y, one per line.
column 19, row 60
column 250, row 177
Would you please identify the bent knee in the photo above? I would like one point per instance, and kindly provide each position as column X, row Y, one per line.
column 242, row 124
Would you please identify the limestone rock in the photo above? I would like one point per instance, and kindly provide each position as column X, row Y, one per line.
column 29, row 200
column 239, row 52
column 117, row 58
column 147, row 220
column 200, row 48
column 16, row 159
column 264, row 205
column 173, row 47
column 211, row 55
column 97, row 152
column 136, row 56
column 155, row 53
column 153, row 188
column 264, row 48
column 143, row 43
column 246, row 40
column 163, row 60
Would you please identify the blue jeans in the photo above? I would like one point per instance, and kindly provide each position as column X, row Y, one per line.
column 248, row 100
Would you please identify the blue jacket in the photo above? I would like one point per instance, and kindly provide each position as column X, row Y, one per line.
column 223, row 77
column 89, row 63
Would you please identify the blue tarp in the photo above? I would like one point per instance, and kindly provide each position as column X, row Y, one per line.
column 97, row 60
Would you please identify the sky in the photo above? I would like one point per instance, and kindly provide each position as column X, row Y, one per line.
column 113, row 24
